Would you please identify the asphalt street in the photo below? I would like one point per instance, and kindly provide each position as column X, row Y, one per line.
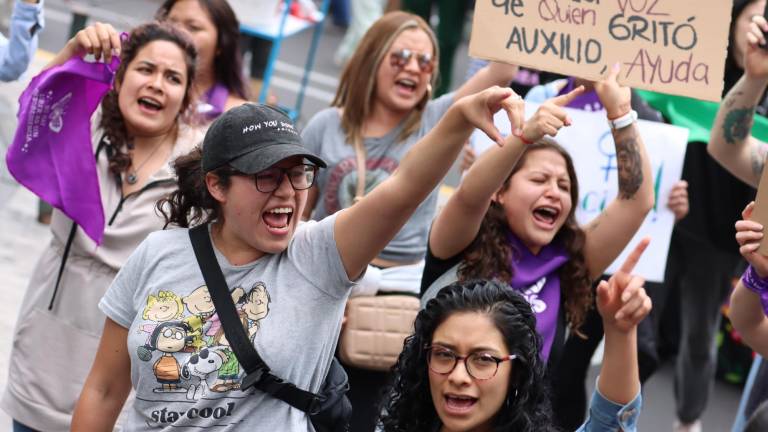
column 23, row 238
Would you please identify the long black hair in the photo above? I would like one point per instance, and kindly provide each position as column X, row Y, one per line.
column 191, row 203
column 228, row 63
column 409, row 406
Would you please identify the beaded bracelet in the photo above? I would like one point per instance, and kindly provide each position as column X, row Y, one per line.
column 753, row 282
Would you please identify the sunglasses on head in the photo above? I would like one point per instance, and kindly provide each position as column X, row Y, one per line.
column 402, row 57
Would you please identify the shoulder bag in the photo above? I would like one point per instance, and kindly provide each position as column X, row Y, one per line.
column 329, row 411
column 376, row 326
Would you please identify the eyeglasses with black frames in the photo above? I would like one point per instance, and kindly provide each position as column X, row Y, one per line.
column 402, row 57
column 300, row 176
column 479, row 365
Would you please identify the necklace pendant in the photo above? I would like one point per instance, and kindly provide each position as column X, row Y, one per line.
column 131, row 178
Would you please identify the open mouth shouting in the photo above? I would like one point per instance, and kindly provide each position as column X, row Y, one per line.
column 458, row 404
column 278, row 219
column 406, row 85
column 546, row 216
column 150, row 105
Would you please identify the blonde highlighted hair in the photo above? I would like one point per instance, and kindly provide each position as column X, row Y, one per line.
column 357, row 86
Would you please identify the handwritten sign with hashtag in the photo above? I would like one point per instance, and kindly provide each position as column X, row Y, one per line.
column 669, row 46
column 590, row 143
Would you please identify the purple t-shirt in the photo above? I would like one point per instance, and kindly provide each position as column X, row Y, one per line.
column 537, row 278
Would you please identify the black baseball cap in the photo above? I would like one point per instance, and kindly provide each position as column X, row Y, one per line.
column 251, row 138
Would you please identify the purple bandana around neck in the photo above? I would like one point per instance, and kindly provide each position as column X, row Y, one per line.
column 537, row 279
column 587, row 101
column 212, row 103
column 51, row 153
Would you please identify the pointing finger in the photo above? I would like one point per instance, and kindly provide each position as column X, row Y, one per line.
column 567, row 98
column 635, row 255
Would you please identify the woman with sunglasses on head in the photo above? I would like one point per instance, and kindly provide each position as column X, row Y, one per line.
column 213, row 27
column 513, row 217
column 474, row 362
column 135, row 133
column 382, row 107
column 247, row 187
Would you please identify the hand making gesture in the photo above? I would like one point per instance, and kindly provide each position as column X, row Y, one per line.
column 622, row 300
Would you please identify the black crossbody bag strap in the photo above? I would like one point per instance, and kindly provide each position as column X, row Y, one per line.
column 258, row 373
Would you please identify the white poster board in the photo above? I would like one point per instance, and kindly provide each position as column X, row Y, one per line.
column 590, row 143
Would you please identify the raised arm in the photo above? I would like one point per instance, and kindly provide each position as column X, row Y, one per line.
column 107, row 385
column 364, row 229
column 747, row 310
column 730, row 143
column 458, row 223
column 622, row 303
column 608, row 234
column 99, row 39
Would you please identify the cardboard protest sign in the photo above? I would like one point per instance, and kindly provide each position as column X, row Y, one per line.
column 670, row 46
column 590, row 143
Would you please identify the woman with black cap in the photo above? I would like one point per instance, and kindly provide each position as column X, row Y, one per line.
column 249, row 185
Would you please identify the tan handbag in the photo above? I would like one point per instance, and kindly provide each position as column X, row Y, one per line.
column 376, row 326
column 375, row 330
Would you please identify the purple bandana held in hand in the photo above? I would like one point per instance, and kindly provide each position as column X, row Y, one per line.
column 51, row 153
column 537, row 278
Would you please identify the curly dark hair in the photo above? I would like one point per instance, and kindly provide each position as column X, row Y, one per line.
column 191, row 203
column 489, row 254
column 409, row 406
column 112, row 122
column 228, row 64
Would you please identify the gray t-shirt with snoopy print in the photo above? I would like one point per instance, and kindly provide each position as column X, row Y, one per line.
column 182, row 368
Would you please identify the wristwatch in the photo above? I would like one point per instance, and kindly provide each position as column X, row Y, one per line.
column 623, row 121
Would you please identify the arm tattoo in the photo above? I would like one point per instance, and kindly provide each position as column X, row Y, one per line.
column 630, row 162
column 737, row 124
column 758, row 159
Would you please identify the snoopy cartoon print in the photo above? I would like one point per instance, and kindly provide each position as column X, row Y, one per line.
column 200, row 369
column 255, row 305
column 532, row 295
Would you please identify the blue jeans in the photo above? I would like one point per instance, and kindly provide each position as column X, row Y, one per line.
column 18, row 427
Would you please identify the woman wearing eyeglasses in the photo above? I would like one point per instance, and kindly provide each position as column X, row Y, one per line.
column 246, row 187
column 474, row 362
column 382, row 107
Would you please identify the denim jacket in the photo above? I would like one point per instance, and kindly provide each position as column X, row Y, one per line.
column 607, row 416
column 17, row 52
